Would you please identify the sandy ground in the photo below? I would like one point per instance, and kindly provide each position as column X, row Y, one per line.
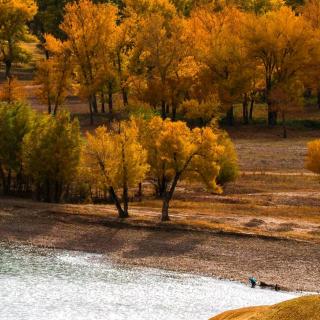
column 294, row 265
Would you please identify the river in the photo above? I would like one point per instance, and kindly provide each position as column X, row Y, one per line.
column 45, row 284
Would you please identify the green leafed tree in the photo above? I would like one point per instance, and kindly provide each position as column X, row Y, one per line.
column 14, row 16
column 51, row 154
column 15, row 122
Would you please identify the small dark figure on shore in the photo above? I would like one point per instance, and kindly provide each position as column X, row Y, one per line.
column 253, row 282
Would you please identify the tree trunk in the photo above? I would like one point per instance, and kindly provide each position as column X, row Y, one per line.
column 49, row 104
column 91, row 113
column 272, row 114
column 38, row 192
column 5, row 181
column 163, row 109
column 245, row 113
column 230, row 117
column 116, row 201
column 56, row 192
column 3, row 178
column 55, row 110
column 318, row 98
column 167, row 198
column 272, row 117
column 103, row 109
column 110, row 99
column 94, row 104
column 284, row 126
column 251, row 109
column 8, row 64
column 140, row 192
column 125, row 200
column 124, row 97
column 161, row 187
column 174, row 111
column 48, row 191
column 165, row 209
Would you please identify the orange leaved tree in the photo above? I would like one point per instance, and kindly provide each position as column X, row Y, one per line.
column 176, row 152
column 115, row 160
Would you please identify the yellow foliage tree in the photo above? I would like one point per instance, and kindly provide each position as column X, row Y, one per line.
column 12, row 91
column 311, row 75
column 222, row 53
column 281, row 43
column 176, row 152
column 116, row 160
column 286, row 96
column 204, row 111
column 54, row 75
column 89, row 29
column 159, row 61
column 14, row 15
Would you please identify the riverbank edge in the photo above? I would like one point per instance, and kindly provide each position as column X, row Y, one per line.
column 140, row 222
column 72, row 220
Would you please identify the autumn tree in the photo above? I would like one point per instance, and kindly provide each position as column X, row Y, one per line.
column 113, row 73
column 220, row 50
column 176, row 152
column 313, row 156
column 51, row 153
column 311, row 75
column 48, row 18
column 53, row 75
column 15, row 122
column 285, row 97
column 228, row 160
column 11, row 91
column 204, row 111
column 159, row 58
column 281, row 42
column 14, row 15
column 116, row 160
column 89, row 31
column 259, row 6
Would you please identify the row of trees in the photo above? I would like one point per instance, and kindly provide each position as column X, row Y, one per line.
column 195, row 58
column 48, row 151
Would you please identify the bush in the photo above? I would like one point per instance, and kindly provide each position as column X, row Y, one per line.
column 313, row 156
column 229, row 168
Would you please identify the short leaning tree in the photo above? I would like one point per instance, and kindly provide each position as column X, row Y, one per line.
column 116, row 160
column 176, row 152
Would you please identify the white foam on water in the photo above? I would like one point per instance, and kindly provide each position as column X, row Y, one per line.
column 54, row 285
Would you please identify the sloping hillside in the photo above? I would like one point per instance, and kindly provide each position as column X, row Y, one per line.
column 305, row 308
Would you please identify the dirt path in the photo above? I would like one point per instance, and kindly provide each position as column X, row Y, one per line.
column 291, row 264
